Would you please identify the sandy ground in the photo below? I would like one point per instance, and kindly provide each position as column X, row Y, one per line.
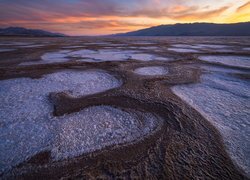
column 183, row 142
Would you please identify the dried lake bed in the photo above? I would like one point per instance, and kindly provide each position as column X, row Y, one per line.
column 169, row 108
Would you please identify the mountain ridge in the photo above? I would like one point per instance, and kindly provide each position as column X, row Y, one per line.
column 20, row 31
column 193, row 29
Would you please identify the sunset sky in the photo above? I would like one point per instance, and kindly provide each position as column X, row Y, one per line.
column 98, row 17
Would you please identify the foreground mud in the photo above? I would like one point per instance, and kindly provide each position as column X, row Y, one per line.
column 182, row 145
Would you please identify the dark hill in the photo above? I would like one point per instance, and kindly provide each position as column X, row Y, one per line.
column 196, row 29
column 18, row 31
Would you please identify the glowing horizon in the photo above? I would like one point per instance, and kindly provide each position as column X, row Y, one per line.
column 99, row 17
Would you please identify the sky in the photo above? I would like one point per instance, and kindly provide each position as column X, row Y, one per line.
column 99, row 17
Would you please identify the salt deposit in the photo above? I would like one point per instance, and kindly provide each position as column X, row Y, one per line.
column 183, row 50
column 33, row 46
column 214, row 47
column 182, row 46
column 221, row 70
column 115, row 55
column 107, row 55
column 150, row 48
column 225, row 102
column 82, row 53
column 27, row 125
column 96, row 127
column 151, row 71
column 211, row 46
column 142, row 57
column 237, row 61
column 95, row 56
column 246, row 49
column 53, row 57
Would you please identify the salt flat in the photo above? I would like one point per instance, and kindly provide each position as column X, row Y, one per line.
column 82, row 107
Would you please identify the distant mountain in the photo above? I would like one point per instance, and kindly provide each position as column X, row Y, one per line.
column 19, row 31
column 195, row 29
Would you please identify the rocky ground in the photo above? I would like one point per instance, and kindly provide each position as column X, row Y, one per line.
column 110, row 108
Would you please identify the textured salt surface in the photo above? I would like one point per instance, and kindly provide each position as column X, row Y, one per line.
column 6, row 50
column 82, row 53
column 96, row 127
column 113, row 55
column 219, row 48
column 148, row 57
column 33, row 46
column 220, row 70
column 211, row 46
column 27, row 126
column 184, row 50
column 107, row 55
column 201, row 46
column 182, row 46
column 246, row 49
column 150, row 48
column 237, row 61
column 53, row 57
column 151, row 71
column 95, row 56
column 225, row 102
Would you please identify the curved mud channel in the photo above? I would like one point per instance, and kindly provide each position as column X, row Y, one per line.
column 108, row 108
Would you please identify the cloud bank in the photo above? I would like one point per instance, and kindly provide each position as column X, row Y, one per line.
column 78, row 17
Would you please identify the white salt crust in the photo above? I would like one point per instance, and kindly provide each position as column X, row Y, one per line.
column 97, row 127
column 53, row 57
column 237, row 61
column 104, row 55
column 147, row 57
column 246, row 49
column 95, row 56
column 151, row 71
column 27, row 126
column 225, row 102
column 114, row 55
column 201, row 46
column 189, row 48
column 33, row 46
column 184, row 50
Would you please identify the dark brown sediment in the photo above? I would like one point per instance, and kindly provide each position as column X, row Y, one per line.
column 186, row 146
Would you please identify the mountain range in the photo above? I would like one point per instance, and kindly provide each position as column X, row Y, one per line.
column 19, row 31
column 194, row 29
column 191, row 29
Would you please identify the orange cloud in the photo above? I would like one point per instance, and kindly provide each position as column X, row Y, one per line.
column 245, row 7
column 96, row 17
column 242, row 14
column 201, row 15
